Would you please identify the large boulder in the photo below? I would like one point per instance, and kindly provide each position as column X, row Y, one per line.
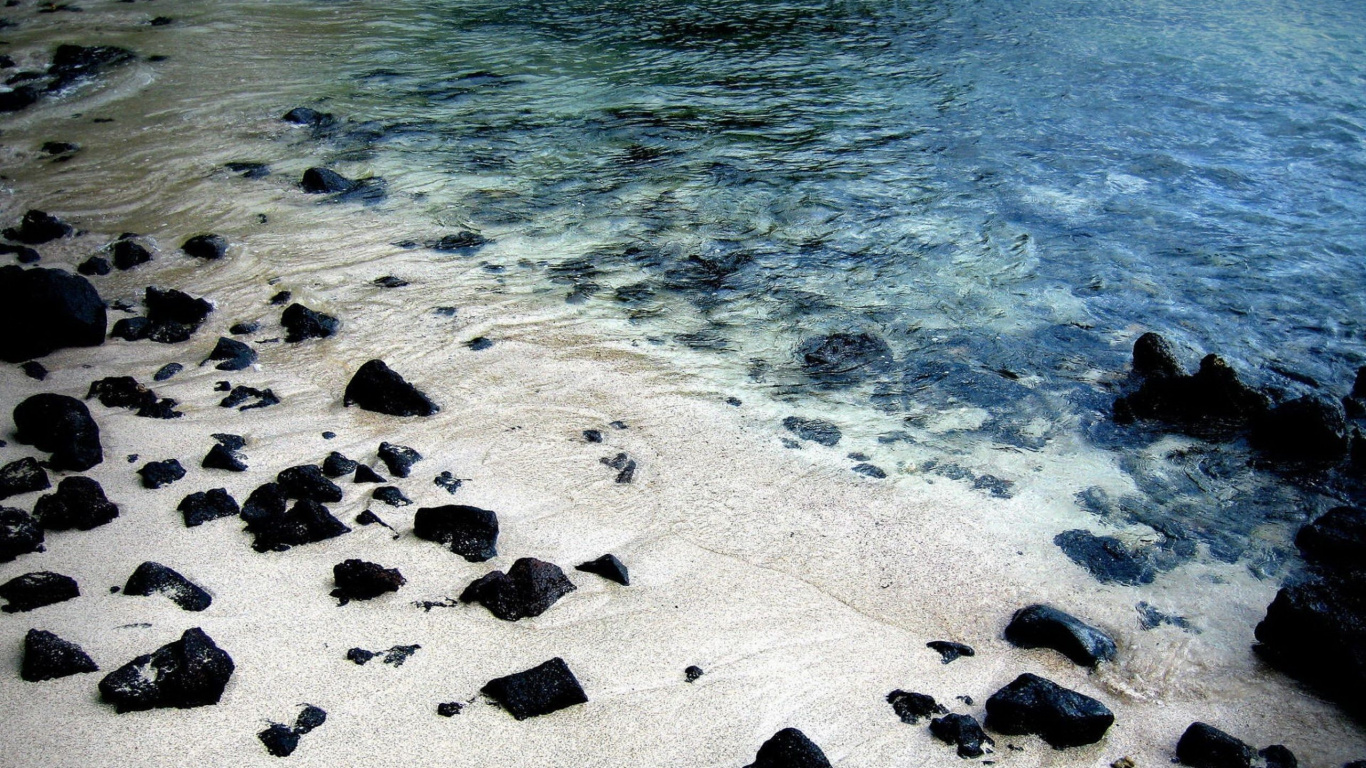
column 789, row 748
column 543, row 689
column 1060, row 716
column 1336, row 539
column 190, row 672
column 1154, row 356
column 1310, row 428
column 376, row 387
column 43, row 310
column 528, row 589
column 1043, row 626
column 1315, row 631
column 1213, row 402
column 470, row 532
column 62, row 426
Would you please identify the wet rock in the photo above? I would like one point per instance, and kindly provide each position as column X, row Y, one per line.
column 36, row 590
column 95, row 266
column 234, row 355
column 527, row 590
column 376, row 388
column 1315, row 631
column 336, row 465
column 78, row 503
column 75, row 62
column 222, row 457
column 608, row 567
column 245, row 328
column 789, row 748
column 365, row 474
column 449, row 708
column 963, row 731
column 126, row 392
column 1060, row 716
column 38, row 227
column 240, row 396
column 306, row 481
column 167, row 371
column 448, row 482
column 1310, row 428
column 1042, row 626
column 127, row 253
column 950, row 651
column 870, row 470
column 49, row 657
column 391, row 495
column 172, row 317
column 156, row 579
column 19, row 98
column 470, row 532
column 156, row 474
column 398, row 458
column 1150, row 617
column 319, row 181
column 815, row 430
column 281, row 298
column 1278, row 756
column 1204, row 746
column 302, row 323
column 279, row 740
column 625, row 466
column 390, row 281
column 545, row 688
column 1214, row 402
column 843, row 358
column 464, row 240
column 1154, row 356
column 20, row 534
column 479, row 343
column 248, row 170
column 692, row 673
column 363, row 580
column 309, row 117
column 209, row 247
column 60, row 148
column 190, row 672
column 205, row 506
column 43, row 310
column 1106, row 558
column 23, row 476
column 911, row 707
column 1336, row 539
column 304, row 523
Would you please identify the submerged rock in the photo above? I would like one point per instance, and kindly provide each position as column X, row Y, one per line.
column 44, row 310
column 545, row 688
column 156, row 474
column 306, row 481
column 375, row 387
column 304, row 523
column 789, row 748
column 1204, row 746
column 320, row 181
column 1043, row 626
column 963, row 731
column 608, row 567
column 49, row 657
column 309, row 117
column 1060, row 716
column 23, row 476
column 815, row 430
column 527, row 590
column 36, row 590
column 1213, row 402
column 79, row 503
column 75, row 62
column 302, row 323
column 190, row 672
column 398, row 458
column 949, row 650
column 20, row 534
column 843, row 358
column 363, row 580
column 470, row 532
column 202, row 507
column 209, row 247
column 911, row 707
column 1106, row 558
column 234, row 355
column 38, row 227
column 156, row 579
column 462, row 241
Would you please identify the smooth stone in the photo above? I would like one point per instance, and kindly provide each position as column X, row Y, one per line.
column 190, row 672
column 1060, row 716
column 1204, row 746
column 127, row 253
column 309, row 117
column 209, row 247
column 608, row 567
column 470, row 532
column 49, row 657
column 167, row 371
column 319, row 181
column 36, row 590
column 156, row 579
column 375, row 387
column 1042, row 626
column 44, row 310
column 545, row 688
column 79, row 503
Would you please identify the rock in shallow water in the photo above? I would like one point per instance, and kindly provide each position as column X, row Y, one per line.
column 43, row 310
column 78, row 503
column 48, row 657
column 1310, row 429
column 38, row 227
column 209, row 247
column 789, row 748
column 233, row 354
column 470, row 532
column 1060, row 716
column 190, row 672
column 815, row 430
column 545, row 688
column 302, row 323
column 156, row 579
column 1336, row 539
column 1106, row 558
column 527, row 590
column 36, row 590
column 843, row 358
column 375, row 387
column 1315, row 631
column 1042, row 626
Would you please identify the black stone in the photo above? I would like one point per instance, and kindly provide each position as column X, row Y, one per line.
column 79, row 503
column 789, row 748
column 1154, row 356
column 36, row 590
column 336, row 465
column 95, row 266
column 19, row 98
column 128, row 253
column 391, row 495
column 359, row 656
column 302, row 323
column 306, row 481
column 1204, row 746
column 1042, row 626
column 911, row 707
column 1061, row 717
column 130, row 329
column 156, row 474
column 1315, row 631
column 156, row 579
column 843, row 358
column 1336, row 539
column 37, row 228
column 1310, row 428
column 870, row 470
column 450, row 483
column 244, row 328
column 815, row 430
column 319, row 181
column 592, row 436
column 20, row 534
column 963, row 731
column 449, row 708
column 390, row 281
column 34, row 370
column 172, row 317
column 43, row 310
column 691, row 673
column 398, row 458
column 1106, row 558
column 608, row 567
column 204, row 506
column 479, row 343
column 309, row 117
column 239, row 395
column 464, row 240
column 190, row 672
column 23, row 476
column 1213, row 402
column 208, row 247
column 362, row 580
column 59, row 147
column 1278, row 756
column 365, row 474
column 949, row 651
column 167, row 371
column 222, row 457
column 248, row 170
column 309, row 718
column 545, row 688
column 281, row 298
column 74, row 62
column 48, row 657
column 306, row 522
column 126, row 392
column 625, row 466
column 25, row 255
column 376, row 388
column 528, row 589
column 234, row 355
column 280, row 740
column 470, row 532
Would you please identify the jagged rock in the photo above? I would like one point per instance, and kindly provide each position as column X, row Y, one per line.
column 265, row 502
column 128, row 253
column 172, row 317
column 1204, row 746
column 394, row 657
column 1315, row 631
column 528, row 589
column 376, row 388
column 279, row 740
column 448, row 482
column 20, row 534
column 199, row 508
column 126, row 392
column 391, row 495
column 306, row 481
column 545, row 688
column 302, row 323
column 1213, row 401
column 911, row 707
column 1061, row 717
column 319, row 181
column 156, row 474
column 464, row 240
column 1106, row 558
column 234, row 355
column 692, row 673
column 336, row 465
column 789, row 748
column 48, row 657
column 43, row 310
column 190, row 672
column 449, row 708
column 38, row 227
column 156, row 579
column 36, row 590
column 222, row 457
column 963, row 731
column 241, row 394
column 1042, row 626
column 362, row 580
column 309, row 117
column 208, row 247
column 815, row 430
column 625, row 466
column 306, row 522
column 23, row 476
column 1309, row 428
column 79, row 503
column 479, row 343
column 843, row 358
column 75, row 62
column 608, row 567
column 1154, row 356
column 1336, row 539
column 95, row 266
column 949, row 650
column 470, row 532
column 398, row 458
column 365, row 474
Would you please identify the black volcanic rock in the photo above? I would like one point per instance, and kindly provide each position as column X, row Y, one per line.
column 963, row 731
column 302, row 323
column 949, row 650
column 1106, row 557
column 625, row 466
column 304, row 523
column 156, row 579
column 1310, row 428
column 95, row 266
column 37, row 228
column 462, row 241
column 172, row 317
column 608, row 567
column 449, row 708
column 375, row 387
column 391, row 495
column 204, row 506
column 337, row 465
column 309, row 117
column 365, row 474
column 319, row 181
column 1061, row 717
column 20, row 534
column 127, row 253
column 190, row 672
column 789, row 748
column 222, row 457
column 25, row 475
column 543, row 689
column 843, row 358
column 1315, row 631
column 126, row 392
column 43, row 310
column 48, row 657
column 79, row 502
column 265, row 502
column 912, row 707
column 1154, row 356
column 208, row 247
column 156, row 474
column 363, row 580
column 309, row 718
column 76, row 62
column 1204, row 746
column 234, row 355
column 1278, row 756
column 470, row 532
column 306, row 481
column 1042, row 626
column 1336, row 539
column 528, row 589
column 692, row 673
column 815, row 430
column 279, row 740
column 398, row 458
column 36, row 590
column 1212, row 402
